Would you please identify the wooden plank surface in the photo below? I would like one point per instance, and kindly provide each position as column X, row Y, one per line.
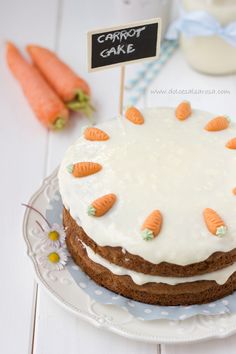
column 177, row 82
column 23, row 148
column 216, row 346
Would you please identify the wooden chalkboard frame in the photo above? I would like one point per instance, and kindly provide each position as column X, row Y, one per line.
column 120, row 27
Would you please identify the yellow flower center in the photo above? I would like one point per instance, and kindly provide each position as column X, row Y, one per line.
column 53, row 235
column 54, row 257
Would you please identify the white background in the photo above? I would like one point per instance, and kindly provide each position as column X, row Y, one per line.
column 30, row 321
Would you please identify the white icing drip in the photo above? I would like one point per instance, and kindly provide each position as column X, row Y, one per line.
column 176, row 167
column 220, row 276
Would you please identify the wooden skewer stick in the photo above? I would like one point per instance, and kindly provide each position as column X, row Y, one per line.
column 122, row 84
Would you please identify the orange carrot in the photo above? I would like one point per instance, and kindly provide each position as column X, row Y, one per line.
column 217, row 124
column 214, row 222
column 95, row 134
column 101, row 205
column 134, row 115
column 152, row 225
column 47, row 106
column 69, row 86
column 231, row 144
column 183, row 110
column 234, row 191
column 83, row 169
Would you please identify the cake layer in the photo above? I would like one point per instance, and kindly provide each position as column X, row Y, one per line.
column 174, row 166
column 197, row 292
column 219, row 276
column 122, row 258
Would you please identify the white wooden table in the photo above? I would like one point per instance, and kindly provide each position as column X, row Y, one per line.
column 30, row 321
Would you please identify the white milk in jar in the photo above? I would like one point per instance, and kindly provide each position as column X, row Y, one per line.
column 211, row 55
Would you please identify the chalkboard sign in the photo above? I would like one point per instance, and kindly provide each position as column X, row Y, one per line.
column 124, row 44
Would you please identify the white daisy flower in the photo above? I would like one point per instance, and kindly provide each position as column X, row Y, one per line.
column 53, row 258
column 53, row 236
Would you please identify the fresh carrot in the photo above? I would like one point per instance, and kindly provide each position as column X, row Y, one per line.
column 72, row 89
column 47, row 106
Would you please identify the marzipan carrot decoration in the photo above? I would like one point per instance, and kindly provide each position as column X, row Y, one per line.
column 134, row 115
column 95, row 134
column 83, row 169
column 183, row 110
column 234, row 191
column 231, row 144
column 152, row 225
column 217, row 124
column 72, row 89
column 47, row 106
column 101, row 205
column 214, row 222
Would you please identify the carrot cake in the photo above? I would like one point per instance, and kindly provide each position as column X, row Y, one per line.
column 150, row 203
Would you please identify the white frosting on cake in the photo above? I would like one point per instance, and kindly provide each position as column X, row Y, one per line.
column 166, row 164
column 220, row 276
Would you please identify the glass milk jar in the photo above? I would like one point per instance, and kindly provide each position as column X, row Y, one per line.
column 212, row 54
